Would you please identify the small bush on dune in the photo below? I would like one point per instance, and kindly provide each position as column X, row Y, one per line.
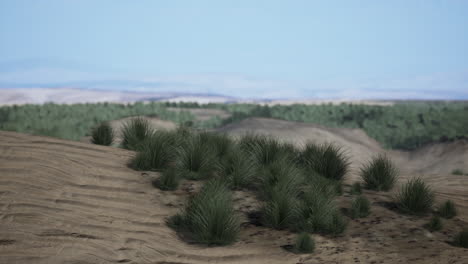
column 356, row 188
column 281, row 176
column 135, row 132
column 415, row 197
column 168, row 181
column 319, row 213
column 103, row 134
column 156, row 152
column 221, row 143
column 304, row 243
column 380, row 174
column 265, row 150
column 435, row 224
column 209, row 215
column 327, row 160
column 238, row 169
column 457, row 172
column 447, row 209
column 360, row 207
column 195, row 160
column 461, row 239
column 281, row 210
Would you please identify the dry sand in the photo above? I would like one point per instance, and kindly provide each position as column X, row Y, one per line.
column 74, row 202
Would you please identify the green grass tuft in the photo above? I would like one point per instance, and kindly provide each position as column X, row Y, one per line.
column 168, row 181
column 457, row 172
column 448, row 209
column 435, row 224
column 380, row 174
column 135, row 132
column 360, row 207
column 238, row 169
column 102, row 134
column 281, row 210
column 415, row 197
column 327, row 160
column 356, row 188
column 304, row 243
column 265, row 149
column 209, row 216
column 195, row 160
column 156, row 152
column 461, row 239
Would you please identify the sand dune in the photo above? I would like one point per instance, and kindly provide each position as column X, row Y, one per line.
column 74, row 202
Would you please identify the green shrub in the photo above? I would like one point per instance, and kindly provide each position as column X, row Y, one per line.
column 327, row 160
column 304, row 243
column 103, row 134
column 447, row 209
column 435, row 224
column 195, row 160
column 265, row 150
column 356, row 188
column 319, row 213
column 238, row 169
column 134, row 132
column 281, row 176
column 281, row 210
column 360, row 207
column 461, row 239
column 457, row 172
column 415, row 197
column 380, row 174
column 168, row 181
column 209, row 215
column 221, row 143
column 156, row 152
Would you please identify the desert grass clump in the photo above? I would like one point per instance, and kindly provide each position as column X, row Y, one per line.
column 156, row 152
column 209, row 216
column 319, row 213
column 415, row 197
column 356, row 188
column 103, row 134
column 265, row 149
column 380, row 174
column 168, row 181
column 134, row 133
column 435, row 224
column 448, row 209
column 195, row 160
column 304, row 243
column 457, row 172
column 360, row 207
column 461, row 239
column 238, row 169
column 281, row 210
column 221, row 143
column 327, row 160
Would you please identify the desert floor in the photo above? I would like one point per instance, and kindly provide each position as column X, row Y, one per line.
column 74, row 202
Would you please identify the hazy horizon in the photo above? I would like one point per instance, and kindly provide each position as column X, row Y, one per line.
column 243, row 49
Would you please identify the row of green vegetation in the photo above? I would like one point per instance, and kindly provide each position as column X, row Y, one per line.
column 402, row 126
column 297, row 187
column 75, row 121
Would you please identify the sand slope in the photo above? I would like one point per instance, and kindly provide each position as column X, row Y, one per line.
column 74, row 202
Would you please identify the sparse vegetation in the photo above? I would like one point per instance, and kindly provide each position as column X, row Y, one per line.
column 435, row 224
column 304, row 243
column 209, row 216
column 461, row 239
column 238, row 169
column 415, row 197
column 457, row 172
column 156, row 152
column 103, row 134
column 380, row 174
column 447, row 209
column 360, row 207
column 356, row 188
column 135, row 132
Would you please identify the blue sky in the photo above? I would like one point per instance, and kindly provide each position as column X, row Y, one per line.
column 241, row 48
